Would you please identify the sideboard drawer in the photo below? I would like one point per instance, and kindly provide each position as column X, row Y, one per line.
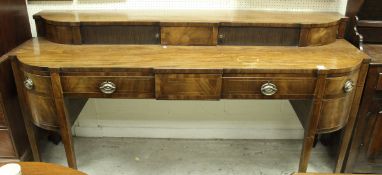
column 107, row 86
column 188, row 86
column 251, row 87
column 40, row 84
column 334, row 87
column 6, row 146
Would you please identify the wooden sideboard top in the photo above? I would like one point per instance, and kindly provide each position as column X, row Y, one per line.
column 339, row 56
column 242, row 17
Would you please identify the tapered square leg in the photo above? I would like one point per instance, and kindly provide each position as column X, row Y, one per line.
column 62, row 113
column 311, row 128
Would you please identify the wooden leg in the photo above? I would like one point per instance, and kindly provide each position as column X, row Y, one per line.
column 311, row 128
column 30, row 127
column 305, row 153
column 345, row 141
column 62, row 113
column 33, row 139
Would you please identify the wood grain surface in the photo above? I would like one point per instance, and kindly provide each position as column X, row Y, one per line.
column 41, row 168
column 192, row 17
column 336, row 58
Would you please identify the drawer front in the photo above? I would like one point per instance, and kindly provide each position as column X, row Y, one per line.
column 40, row 84
column 189, row 36
column 265, row 36
column 120, row 34
column 335, row 86
column 188, row 86
column 251, row 87
column 125, row 86
column 6, row 146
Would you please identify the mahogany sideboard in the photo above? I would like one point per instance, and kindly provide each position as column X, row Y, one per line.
column 14, row 145
column 194, row 55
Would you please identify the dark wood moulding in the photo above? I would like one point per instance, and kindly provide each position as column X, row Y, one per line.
column 191, row 27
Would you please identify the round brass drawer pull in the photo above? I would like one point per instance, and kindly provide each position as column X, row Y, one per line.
column 107, row 87
column 28, row 83
column 268, row 89
column 348, row 86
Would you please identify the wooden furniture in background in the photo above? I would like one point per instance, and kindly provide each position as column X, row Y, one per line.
column 194, row 27
column 40, row 168
column 14, row 145
column 364, row 154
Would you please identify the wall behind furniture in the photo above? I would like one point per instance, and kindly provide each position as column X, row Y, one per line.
column 229, row 119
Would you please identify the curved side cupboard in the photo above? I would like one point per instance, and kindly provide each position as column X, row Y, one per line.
column 191, row 27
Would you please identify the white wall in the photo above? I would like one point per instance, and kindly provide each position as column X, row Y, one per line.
column 235, row 119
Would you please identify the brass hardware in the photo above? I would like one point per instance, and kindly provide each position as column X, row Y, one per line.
column 268, row 89
column 157, row 35
column 348, row 86
column 28, row 83
column 221, row 36
column 107, row 87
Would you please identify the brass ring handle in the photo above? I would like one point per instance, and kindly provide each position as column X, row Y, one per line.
column 107, row 87
column 348, row 86
column 28, row 83
column 268, row 89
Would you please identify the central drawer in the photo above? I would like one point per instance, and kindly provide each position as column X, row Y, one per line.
column 109, row 86
column 188, row 86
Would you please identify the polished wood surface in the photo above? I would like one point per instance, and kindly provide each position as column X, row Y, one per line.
column 190, row 27
column 41, row 53
column 41, row 168
column 242, row 17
